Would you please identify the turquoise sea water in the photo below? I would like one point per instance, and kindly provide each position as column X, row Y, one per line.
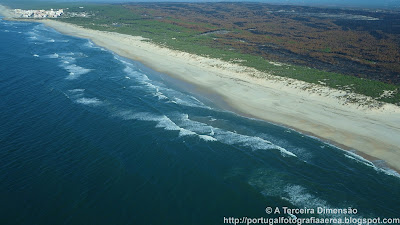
column 88, row 137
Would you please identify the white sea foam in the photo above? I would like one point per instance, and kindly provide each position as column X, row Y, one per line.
column 122, row 60
column 302, row 153
column 298, row 196
column 65, row 58
column 53, row 56
column 359, row 159
column 229, row 137
column 271, row 183
column 75, row 71
column 77, row 90
column 151, row 86
column 35, row 55
column 160, row 95
column 166, row 123
column 204, row 131
column 42, row 27
column 89, row 101
column 36, row 35
column 185, row 126
column 255, row 143
column 162, row 121
column 68, row 60
column 188, row 102
column 140, row 77
column 159, row 90
column 207, row 138
column 90, row 44
column 184, row 132
column 389, row 172
column 212, row 132
column 362, row 160
column 33, row 36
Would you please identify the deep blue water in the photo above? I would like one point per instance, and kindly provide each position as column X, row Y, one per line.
column 88, row 137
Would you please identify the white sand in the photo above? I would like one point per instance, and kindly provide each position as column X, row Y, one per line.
column 5, row 12
column 321, row 111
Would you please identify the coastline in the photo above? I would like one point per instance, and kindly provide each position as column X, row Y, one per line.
column 312, row 109
column 4, row 11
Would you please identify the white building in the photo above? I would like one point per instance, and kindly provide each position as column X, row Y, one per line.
column 38, row 14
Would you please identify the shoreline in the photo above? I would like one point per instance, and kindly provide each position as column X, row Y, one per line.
column 311, row 109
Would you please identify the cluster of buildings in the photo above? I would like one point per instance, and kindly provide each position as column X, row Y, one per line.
column 77, row 14
column 38, row 13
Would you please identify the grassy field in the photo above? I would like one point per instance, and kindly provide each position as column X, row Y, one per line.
column 178, row 35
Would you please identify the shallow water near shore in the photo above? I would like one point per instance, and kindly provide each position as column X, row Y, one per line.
column 89, row 137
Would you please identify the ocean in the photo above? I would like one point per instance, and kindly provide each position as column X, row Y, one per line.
column 89, row 137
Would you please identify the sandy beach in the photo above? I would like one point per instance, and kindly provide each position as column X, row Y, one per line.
column 313, row 109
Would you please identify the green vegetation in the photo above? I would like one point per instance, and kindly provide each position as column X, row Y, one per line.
column 170, row 32
column 184, row 39
column 327, row 50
